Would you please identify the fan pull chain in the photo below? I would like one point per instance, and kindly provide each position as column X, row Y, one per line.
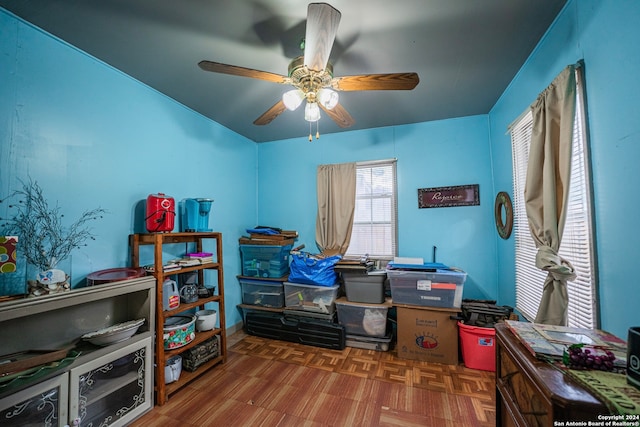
column 317, row 131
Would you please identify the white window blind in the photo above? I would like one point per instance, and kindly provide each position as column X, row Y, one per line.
column 577, row 239
column 374, row 231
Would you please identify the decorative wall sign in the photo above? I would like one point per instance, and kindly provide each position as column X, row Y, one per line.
column 444, row 197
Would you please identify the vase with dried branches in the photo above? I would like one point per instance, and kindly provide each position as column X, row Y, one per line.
column 44, row 240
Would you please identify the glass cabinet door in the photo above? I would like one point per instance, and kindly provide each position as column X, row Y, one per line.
column 43, row 404
column 113, row 389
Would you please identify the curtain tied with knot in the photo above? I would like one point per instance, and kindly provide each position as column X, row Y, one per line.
column 547, row 190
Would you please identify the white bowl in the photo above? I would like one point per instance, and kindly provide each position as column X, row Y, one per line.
column 114, row 334
column 206, row 320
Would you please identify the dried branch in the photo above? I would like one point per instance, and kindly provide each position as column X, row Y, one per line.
column 43, row 238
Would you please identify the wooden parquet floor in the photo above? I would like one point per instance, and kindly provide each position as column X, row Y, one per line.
column 275, row 383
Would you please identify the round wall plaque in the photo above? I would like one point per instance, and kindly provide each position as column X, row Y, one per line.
column 503, row 201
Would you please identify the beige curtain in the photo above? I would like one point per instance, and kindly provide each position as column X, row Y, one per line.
column 547, row 187
column 336, row 188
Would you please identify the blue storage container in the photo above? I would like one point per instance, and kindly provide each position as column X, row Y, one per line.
column 265, row 260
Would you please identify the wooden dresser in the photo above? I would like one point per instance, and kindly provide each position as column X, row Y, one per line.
column 530, row 392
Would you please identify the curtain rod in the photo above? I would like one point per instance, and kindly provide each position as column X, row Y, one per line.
column 517, row 119
column 579, row 64
column 374, row 162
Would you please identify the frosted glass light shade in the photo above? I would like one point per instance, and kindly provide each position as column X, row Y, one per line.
column 292, row 99
column 312, row 112
column 328, row 98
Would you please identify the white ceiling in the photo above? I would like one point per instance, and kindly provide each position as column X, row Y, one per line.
column 465, row 52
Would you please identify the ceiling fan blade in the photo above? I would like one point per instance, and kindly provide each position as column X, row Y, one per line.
column 322, row 26
column 393, row 81
column 234, row 70
column 268, row 116
column 339, row 115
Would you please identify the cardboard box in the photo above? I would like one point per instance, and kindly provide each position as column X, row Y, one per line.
column 428, row 334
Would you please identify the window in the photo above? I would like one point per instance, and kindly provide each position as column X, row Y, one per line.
column 374, row 223
column 577, row 242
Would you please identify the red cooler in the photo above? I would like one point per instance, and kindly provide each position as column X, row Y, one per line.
column 161, row 212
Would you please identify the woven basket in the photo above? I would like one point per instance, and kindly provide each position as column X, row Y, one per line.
column 201, row 353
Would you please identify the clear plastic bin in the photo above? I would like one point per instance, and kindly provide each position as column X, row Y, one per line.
column 319, row 299
column 363, row 319
column 262, row 293
column 442, row 288
column 265, row 260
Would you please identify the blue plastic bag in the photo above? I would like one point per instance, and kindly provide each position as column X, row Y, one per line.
column 311, row 270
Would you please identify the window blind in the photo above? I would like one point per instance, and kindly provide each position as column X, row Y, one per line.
column 374, row 231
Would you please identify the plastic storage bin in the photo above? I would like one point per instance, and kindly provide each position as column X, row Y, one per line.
column 263, row 293
column 442, row 288
column 369, row 343
column 363, row 319
column 303, row 330
column 172, row 369
column 365, row 287
column 478, row 347
column 265, row 260
column 319, row 299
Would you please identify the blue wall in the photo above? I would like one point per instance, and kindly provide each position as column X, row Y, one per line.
column 94, row 137
column 440, row 153
column 605, row 34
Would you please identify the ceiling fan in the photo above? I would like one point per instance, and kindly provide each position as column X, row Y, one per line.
column 312, row 77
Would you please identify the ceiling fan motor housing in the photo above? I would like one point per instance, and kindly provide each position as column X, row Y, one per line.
column 309, row 81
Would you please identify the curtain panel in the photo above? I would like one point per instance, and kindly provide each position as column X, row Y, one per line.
column 336, row 187
column 547, row 187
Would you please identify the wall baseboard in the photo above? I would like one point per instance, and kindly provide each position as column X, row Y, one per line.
column 234, row 328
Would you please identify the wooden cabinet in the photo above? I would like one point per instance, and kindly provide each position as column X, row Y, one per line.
column 50, row 395
column 192, row 242
column 530, row 392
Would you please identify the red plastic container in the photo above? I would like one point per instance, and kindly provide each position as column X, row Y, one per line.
column 161, row 213
column 478, row 347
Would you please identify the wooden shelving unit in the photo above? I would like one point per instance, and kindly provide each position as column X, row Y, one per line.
column 198, row 239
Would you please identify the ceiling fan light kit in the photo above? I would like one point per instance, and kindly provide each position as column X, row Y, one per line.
column 312, row 76
column 292, row 99
column 312, row 112
column 328, row 98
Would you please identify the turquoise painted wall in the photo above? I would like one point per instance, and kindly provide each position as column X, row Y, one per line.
column 605, row 34
column 94, row 137
column 434, row 154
